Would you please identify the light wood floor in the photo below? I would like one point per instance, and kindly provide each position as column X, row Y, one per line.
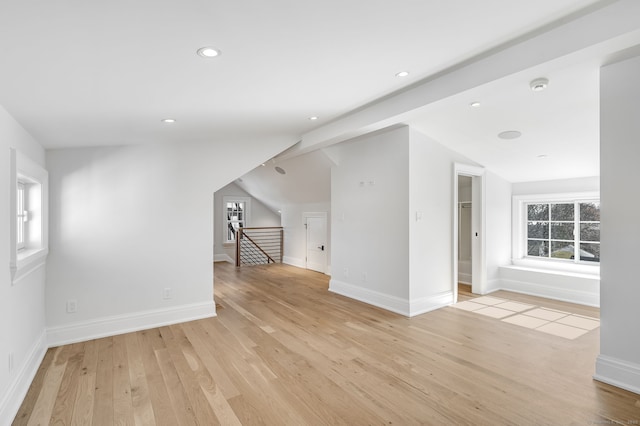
column 283, row 350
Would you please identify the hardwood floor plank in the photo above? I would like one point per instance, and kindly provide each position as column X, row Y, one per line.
column 26, row 409
column 103, row 398
column 43, row 407
column 122, row 403
column 285, row 351
column 66, row 397
column 157, row 388
column 142, row 409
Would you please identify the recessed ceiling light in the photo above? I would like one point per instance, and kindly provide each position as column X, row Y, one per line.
column 475, row 104
column 402, row 74
column 542, row 156
column 280, row 170
column 208, row 52
column 539, row 84
column 168, row 120
column 510, row 134
column 313, row 118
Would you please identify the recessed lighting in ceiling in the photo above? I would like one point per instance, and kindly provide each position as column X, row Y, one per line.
column 402, row 74
column 208, row 52
column 539, row 84
column 509, row 134
column 280, row 170
column 168, row 120
column 313, row 118
column 542, row 156
column 475, row 104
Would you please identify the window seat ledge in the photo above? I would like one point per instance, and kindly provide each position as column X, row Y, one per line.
column 557, row 272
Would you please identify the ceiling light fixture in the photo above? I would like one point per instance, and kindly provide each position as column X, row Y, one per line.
column 208, row 52
column 475, row 104
column 280, row 170
column 402, row 74
column 539, row 84
column 313, row 118
column 542, row 156
column 509, row 134
column 168, row 120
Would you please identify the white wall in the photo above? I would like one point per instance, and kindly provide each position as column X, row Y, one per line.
column 261, row 216
column 619, row 359
column 392, row 219
column 128, row 222
column 295, row 233
column 22, row 319
column 497, row 227
column 369, row 212
column 560, row 186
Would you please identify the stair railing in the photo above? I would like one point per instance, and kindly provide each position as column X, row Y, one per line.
column 259, row 246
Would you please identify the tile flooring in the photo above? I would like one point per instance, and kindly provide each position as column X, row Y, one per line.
column 551, row 321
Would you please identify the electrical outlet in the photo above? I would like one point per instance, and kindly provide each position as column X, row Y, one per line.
column 72, row 306
column 11, row 362
column 167, row 293
column 345, row 272
column 364, row 277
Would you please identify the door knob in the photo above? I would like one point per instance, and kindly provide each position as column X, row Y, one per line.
column 321, row 247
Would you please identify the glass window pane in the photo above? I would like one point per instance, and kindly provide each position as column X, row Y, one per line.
column 538, row 230
column 562, row 250
column 590, row 252
column 562, row 231
column 562, row 212
column 589, row 232
column 538, row 211
column 590, row 211
column 537, row 248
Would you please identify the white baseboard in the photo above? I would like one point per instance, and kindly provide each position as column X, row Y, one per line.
column 464, row 278
column 119, row 324
column 371, row 297
column 223, row 258
column 619, row 373
column 549, row 292
column 17, row 390
column 431, row 303
column 294, row 261
column 391, row 303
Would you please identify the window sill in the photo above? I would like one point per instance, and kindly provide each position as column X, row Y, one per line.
column 560, row 268
column 27, row 261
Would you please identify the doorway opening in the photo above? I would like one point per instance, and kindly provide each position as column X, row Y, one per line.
column 468, row 231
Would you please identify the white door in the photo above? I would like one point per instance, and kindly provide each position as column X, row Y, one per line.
column 317, row 243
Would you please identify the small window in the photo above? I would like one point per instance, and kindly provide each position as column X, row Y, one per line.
column 22, row 216
column 564, row 230
column 236, row 216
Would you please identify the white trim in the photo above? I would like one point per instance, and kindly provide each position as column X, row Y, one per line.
column 371, row 297
column 120, row 324
column 431, row 303
column 394, row 304
column 222, row 258
column 17, row 389
column 294, row 261
column 548, row 292
column 619, row 373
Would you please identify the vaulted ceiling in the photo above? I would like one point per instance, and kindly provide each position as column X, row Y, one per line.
column 77, row 73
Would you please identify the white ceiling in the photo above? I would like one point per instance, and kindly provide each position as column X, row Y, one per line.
column 78, row 73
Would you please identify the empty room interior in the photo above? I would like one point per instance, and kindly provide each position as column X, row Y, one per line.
column 292, row 212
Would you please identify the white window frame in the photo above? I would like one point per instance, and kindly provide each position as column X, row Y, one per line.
column 519, row 233
column 27, row 255
column 247, row 214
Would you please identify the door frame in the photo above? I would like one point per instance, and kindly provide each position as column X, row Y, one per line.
column 478, row 224
column 321, row 215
